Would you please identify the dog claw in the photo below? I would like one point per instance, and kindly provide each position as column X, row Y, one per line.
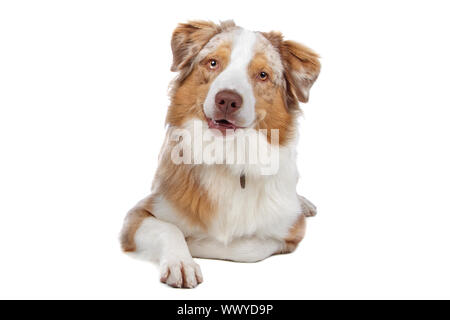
column 181, row 274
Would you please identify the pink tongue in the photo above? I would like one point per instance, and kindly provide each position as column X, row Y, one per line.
column 226, row 124
column 223, row 123
column 223, row 127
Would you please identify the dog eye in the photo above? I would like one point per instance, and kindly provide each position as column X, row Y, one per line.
column 263, row 76
column 213, row 64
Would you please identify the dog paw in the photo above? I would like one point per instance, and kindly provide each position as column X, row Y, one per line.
column 308, row 208
column 181, row 273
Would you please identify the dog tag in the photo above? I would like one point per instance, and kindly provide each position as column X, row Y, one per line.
column 242, row 179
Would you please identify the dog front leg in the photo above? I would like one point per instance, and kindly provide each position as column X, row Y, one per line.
column 239, row 250
column 162, row 242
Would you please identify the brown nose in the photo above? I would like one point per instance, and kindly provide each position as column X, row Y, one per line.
column 228, row 101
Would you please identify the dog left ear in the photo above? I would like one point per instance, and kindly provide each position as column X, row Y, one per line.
column 188, row 39
column 302, row 67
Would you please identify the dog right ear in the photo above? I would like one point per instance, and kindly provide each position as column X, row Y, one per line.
column 188, row 39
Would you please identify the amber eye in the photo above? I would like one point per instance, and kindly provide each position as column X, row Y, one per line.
column 213, row 64
column 263, row 76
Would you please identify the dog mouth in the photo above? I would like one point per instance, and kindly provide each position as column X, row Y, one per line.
column 223, row 125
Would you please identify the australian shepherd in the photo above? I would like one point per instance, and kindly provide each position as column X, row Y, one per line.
column 225, row 187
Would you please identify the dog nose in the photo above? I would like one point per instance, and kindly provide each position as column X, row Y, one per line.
column 228, row 101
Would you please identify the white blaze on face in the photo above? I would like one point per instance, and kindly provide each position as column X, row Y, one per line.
column 235, row 77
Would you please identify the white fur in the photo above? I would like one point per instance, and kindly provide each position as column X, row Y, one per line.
column 235, row 77
column 164, row 243
column 267, row 207
column 241, row 250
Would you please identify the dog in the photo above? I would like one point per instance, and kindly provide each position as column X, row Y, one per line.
column 232, row 83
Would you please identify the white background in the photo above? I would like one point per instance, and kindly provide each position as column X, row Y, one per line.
column 83, row 97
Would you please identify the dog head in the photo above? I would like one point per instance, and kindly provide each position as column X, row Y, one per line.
column 233, row 78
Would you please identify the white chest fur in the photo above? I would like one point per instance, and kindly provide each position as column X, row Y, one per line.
column 267, row 206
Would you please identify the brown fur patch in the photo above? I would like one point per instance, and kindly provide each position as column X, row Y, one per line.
column 180, row 185
column 189, row 38
column 189, row 95
column 270, row 102
column 296, row 234
column 132, row 223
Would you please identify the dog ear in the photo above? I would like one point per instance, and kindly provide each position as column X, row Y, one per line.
column 188, row 39
column 301, row 67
